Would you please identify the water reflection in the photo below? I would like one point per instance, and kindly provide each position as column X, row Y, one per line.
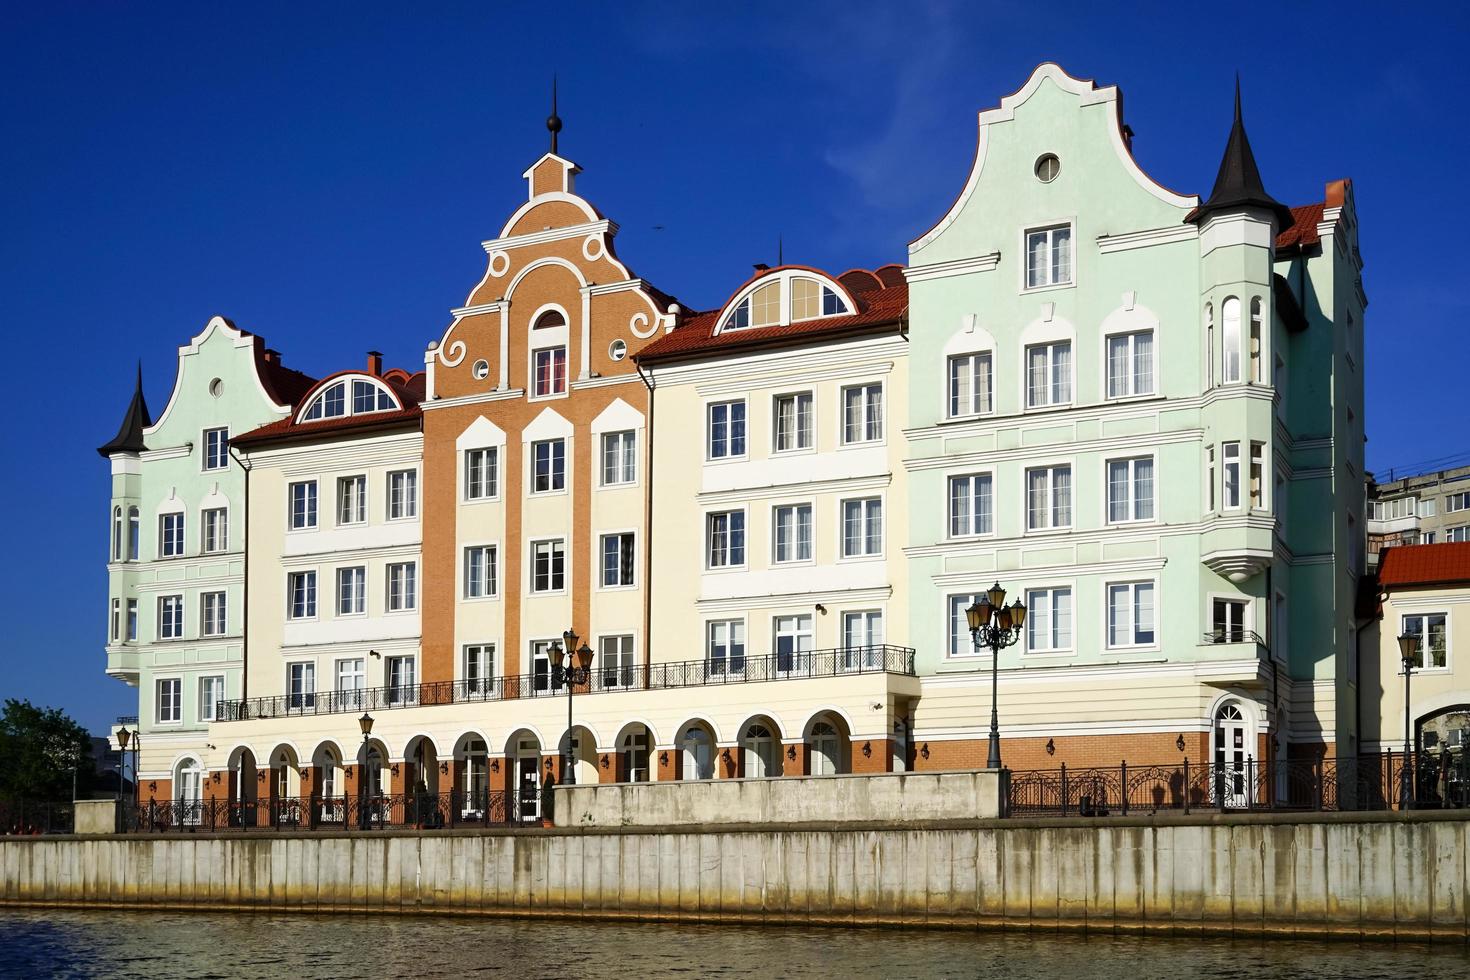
column 304, row 947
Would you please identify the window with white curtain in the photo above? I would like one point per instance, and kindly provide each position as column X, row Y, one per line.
column 352, row 499
column 725, row 539
column 1130, row 489
column 792, row 528
column 793, row 422
column 970, row 391
column 862, row 413
column 617, row 560
column 1048, row 620
column 619, row 458
column 1130, row 614
column 1048, row 256
column 216, row 525
column 1048, row 498
column 970, row 505
column 1131, row 364
column 961, row 643
column 402, row 586
column 1230, row 324
column 403, row 495
column 726, row 430
column 352, row 590
column 212, row 619
column 726, row 647
column 862, row 527
column 481, row 473
column 479, row 571
column 1049, row 374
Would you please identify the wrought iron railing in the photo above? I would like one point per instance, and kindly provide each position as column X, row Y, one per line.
column 1372, row 782
column 28, row 818
column 1231, row 635
column 422, row 811
column 877, row 659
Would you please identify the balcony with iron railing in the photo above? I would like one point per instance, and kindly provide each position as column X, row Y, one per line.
column 795, row 665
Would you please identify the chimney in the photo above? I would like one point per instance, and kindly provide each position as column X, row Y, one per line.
column 762, row 267
column 375, row 363
column 272, row 356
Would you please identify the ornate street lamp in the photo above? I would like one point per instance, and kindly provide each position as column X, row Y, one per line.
column 366, row 724
column 995, row 625
column 568, row 673
column 1409, row 653
column 122, row 760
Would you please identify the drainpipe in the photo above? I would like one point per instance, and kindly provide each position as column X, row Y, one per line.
column 647, row 533
column 245, row 587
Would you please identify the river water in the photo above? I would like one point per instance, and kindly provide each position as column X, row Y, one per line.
column 199, row 946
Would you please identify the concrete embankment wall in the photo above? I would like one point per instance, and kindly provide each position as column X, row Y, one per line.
column 1383, row 875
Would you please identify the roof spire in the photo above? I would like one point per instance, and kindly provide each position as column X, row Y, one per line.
column 780, row 251
column 1238, row 184
column 553, row 121
column 129, row 438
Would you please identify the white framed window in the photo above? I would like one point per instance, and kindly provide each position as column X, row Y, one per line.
column 792, row 422
column 548, row 466
column 1258, row 475
column 791, row 530
column 352, row 500
column 134, row 533
column 1255, row 340
column 114, row 632
column 617, row 560
column 1130, row 490
column 481, row 474
column 1048, row 256
column 1049, row 374
column 1230, row 326
column 301, row 595
column 216, row 449
column 1229, row 620
column 1131, row 614
column 402, row 680
column 1210, row 478
column 1457, row 502
column 549, row 366
column 301, row 685
column 170, row 700
column 303, row 505
column 793, row 642
column 171, row 535
column 403, row 586
column 1048, row 498
column 541, row 666
column 1426, row 506
column 171, row 617
column 619, row 458
column 1131, row 364
column 368, row 397
column 351, row 680
column 480, row 572
column 971, row 391
column 212, row 618
column 615, row 657
column 862, row 639
column 1391, row 510
column 862, row 414
column 1048, row 620
column 548, row 565
column 215, row 522
column 1457, row 534
column 478, row 667
column 862, row 527
column 1432, row 632
column 725, row 647
column 725, row 539
column 117, row 534
column 131, row 614
column 211, row 693
column 971, row 505
column 352, row 590
column 403, row 495
column 725, row 424
column 1230, row 454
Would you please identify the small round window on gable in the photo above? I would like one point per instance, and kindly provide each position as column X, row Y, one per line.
column 617, row 350
column 481, row 370
column 216, row 387
column 1047, row 167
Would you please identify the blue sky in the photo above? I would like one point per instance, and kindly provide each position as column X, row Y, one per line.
column 324, row 177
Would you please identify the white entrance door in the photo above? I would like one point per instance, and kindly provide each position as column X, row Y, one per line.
column 699, row 758
column 826, row 758
column 1229, row 780
column 760, row 752
column 191, row 782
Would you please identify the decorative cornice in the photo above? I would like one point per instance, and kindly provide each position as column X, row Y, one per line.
column 551, row 235
column 476, row 399
column 856, row 484
column 954, row 267
column 742, row 603
column 1167, row 235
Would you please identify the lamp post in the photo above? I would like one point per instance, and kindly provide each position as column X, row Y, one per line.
column 995, row 625
column 366, row 724
column 570, row 665
column 1409, row 653
column 122, row 767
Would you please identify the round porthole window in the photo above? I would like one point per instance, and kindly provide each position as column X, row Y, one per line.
column 481, row 370
column 618, row 350
column 216, row 387
column 1047, row 167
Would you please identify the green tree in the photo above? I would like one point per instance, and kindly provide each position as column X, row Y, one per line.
column 39, row 748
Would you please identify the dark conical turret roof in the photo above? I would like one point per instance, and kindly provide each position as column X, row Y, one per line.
column 129, row 438
column 1238, row 185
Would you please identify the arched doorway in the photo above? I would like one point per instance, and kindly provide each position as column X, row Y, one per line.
column 828, row 745
column 328, row 793
column 373, row 801
column 285, row 787
column 472, row 776
column 244, row 792
column 760, row 749
column 1228, row 779
column 188, row 778
column 1442, row 770
column 697, row 750
column 523, row 749
column 634, row 743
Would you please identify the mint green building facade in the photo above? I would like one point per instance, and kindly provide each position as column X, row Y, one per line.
column 1142, row 414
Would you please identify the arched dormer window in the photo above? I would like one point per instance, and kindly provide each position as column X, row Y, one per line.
column 117, row 534
column 350, row 396
column 1230, row 324
column 551, row 318
column 786, row 297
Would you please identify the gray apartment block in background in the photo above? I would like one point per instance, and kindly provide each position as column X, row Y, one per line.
column 1429, row 508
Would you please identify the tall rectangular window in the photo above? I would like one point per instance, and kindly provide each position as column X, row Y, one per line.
column 548, row 565
column 1230, row 452
column 862, row 414
column 216, row 522
column 1048, row 620
column 1049, row 374
column 1258, row 475
column 211, row 693
column 862, row 527
column 170, row 617
column 212, row 619
column 961, row 642
column 725, row 539
column 541, row 666
column 479, row 667
column 402, row 680
column 1210, row 478
column 1230, row 324
column 793, row 422
column 726, row 430
column 1048, row 498
column 792, row 529
column 725, row 652
column 403, row 495
column 617, row 560
column 301, row 595
column 303, row 505
column 301, row 685
column 1255, row 340
column 619, row 458
column 1227, row 619
column 615, row 656
column 216, row 449
column 970, row 391
column 114, row 633
column 352, row 590
column 479, row 572
column 481, row 474
column 170, row 535
column 132, row 619
column 793, row 642
column 1131, row 364
column 351, row 681
column 1131, row 614
column 1431, row 631
column 1048, row 256
column 170, row 701
column 862, row 639
column 550, row 371
column 548, row 465
column 970, row 505
column 402, row 586
column 1130, row 490
column 352, row 500
column 134, row 533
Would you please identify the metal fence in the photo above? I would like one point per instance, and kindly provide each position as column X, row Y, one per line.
column 1372, row 782
column 421, row 811
column 26, row 818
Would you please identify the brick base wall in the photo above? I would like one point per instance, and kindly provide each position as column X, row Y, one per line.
column 1077, row 752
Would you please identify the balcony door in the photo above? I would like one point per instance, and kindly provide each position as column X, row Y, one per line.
column 862, row 640
column 793, row 644
column 1229, row 780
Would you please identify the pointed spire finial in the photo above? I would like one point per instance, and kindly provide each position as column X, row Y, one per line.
column 129, row 438
column 1237, row 97
column 780, row 250
column 553, row 121
column 1238, row 184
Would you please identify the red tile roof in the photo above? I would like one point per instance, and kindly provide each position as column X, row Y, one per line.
column 882, row 299
column 1304, row 231
column 1424, row 564
column 408, row 387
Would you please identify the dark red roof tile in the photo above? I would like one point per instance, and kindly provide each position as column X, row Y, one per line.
column 1424, row 564
column 1303, row 231
column 408, row 387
